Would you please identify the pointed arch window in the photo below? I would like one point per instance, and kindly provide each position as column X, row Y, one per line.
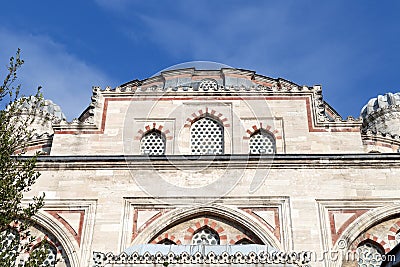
column 205, row 236
column 262, row 142
column 369, row 254
column 207, row 137
column 152, row 143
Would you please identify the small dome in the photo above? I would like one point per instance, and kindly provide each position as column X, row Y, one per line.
column 53, row 109
column 48, row 107
column 382, row 101
column 382, row 115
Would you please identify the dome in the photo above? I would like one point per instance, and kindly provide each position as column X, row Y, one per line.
column 48, row 107
column 381, row 115
column 380, row 102
column 53, row 109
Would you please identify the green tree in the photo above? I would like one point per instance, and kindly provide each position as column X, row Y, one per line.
column 17, row 174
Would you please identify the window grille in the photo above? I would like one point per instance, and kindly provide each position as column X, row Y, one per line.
column 208, row 84
column 369, row 255
column 152, row 143
column 7, row 237
column 205, row 236
column 207, row 137
column 262, row 142
column 51, row 255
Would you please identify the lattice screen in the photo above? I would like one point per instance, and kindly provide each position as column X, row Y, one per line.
column 369, row 255
column 152, row 143
column 207, row 137
column 205, row 237
column 207, row 85
column 262, row 143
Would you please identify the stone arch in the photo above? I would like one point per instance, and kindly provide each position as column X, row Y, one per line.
column 206, row 112
column 239, row 217
column 64, row 237
column 203, row 223
column 166, row 236
column 267, row 128
column 374, row 239
column 359, row 227
column 394, row 230
column 154, row 127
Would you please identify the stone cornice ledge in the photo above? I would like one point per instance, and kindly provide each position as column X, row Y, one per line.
column 287, row 161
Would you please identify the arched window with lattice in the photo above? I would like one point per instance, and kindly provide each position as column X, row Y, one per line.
column 369, row 254
column 152, row 143
column 9, row 241
column 51, row 256
column 207, row 137
column 262, row 142
column 205, row 236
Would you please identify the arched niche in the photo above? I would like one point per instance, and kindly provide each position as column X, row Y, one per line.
column 363, row 224
column 180, row 215
column 63, row 236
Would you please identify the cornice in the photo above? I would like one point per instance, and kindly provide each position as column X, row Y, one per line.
column 173, row 162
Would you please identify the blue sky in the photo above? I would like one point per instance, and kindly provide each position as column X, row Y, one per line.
column 351, row 48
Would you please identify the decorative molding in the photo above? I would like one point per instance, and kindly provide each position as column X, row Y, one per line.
column 41, row 142
column 317, row 121
column 250, row 86
column 275, row 258
column 381, row 140
column 201, row 113
column 206, row 222
column 274, row 132
column 337, row 230
column 171, row 162
column 366, row 236
column 378, row 211
column 78, row 254
column 151, row 127
column 136, row 228
column 186, row 208
column 273, row 224
column 394, row 230
column 75, row 231
column 168, row 236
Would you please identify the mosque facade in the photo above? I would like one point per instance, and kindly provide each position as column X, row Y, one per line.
column 218, row 168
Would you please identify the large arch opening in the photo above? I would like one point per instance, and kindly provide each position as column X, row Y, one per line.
column 232, row 225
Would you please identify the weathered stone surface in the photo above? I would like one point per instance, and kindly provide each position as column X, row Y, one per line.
column 319, row 192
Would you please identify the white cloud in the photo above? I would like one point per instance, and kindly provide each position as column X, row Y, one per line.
column 277, row 39
column 65, row 79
